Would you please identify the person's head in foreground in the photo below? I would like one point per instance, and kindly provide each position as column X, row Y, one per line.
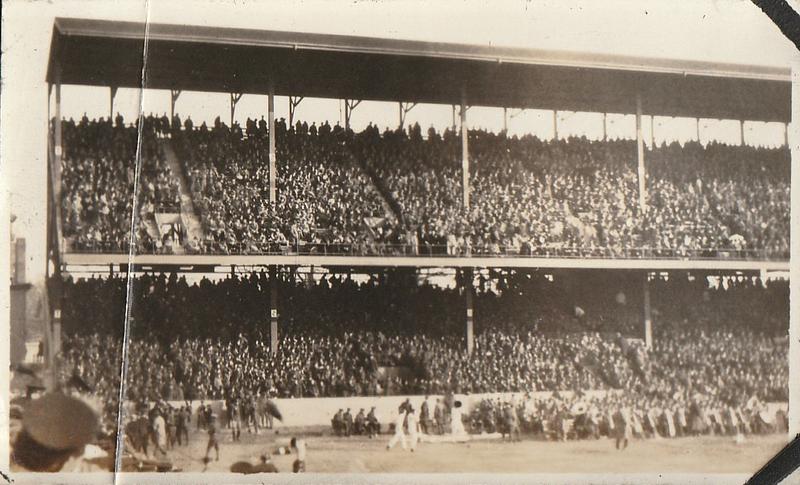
column 55, row 428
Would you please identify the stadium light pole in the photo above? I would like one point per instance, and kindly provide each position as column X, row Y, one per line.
column 640, row 154
column 273, row 172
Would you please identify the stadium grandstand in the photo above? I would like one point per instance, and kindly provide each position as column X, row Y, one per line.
column 291, row 260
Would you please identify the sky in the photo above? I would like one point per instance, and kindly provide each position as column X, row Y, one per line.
column 720, row 31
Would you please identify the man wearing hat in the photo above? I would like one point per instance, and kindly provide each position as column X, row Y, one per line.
column 55, row 431
column 266, row 465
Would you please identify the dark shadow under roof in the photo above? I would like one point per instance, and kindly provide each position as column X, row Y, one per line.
column 110, row 53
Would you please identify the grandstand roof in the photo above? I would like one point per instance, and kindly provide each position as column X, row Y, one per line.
column 212, row 59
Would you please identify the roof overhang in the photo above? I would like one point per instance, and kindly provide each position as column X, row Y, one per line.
column 211, row 59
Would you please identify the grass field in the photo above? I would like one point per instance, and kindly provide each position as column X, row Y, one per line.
column 327, row 454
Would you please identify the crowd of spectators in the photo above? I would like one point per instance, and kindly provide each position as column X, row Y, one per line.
column 323, row 197
column 577, row 197
column 723, row 342
column 397, row 191
column 98, row 177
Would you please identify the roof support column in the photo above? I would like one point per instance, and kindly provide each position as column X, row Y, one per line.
column 648, row 319
column 404, row 109
column 786, row 135
column 470, row 329
column 174, row 94
column 464, row 152
column 54, row 335
column 605, row 126
column 349, row 106
column 640, row 155
column 697, row 121
column 294, row 102
column 505, row 119
column 555, row 125
column 273, row 309
column 235, row 97
column 454, row 119
column 652, row 132
column 112, row 94
column 273, row 172
column 58, row 150
column 741, row 132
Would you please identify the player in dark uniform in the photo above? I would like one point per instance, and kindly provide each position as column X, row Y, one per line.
column 348, row 422
column 359, row 423
column 235, row 420
column 511, row 422
column 373, row 426
column 212, row 437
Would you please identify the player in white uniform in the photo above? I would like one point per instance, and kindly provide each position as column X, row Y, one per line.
column 411, row 421
column 399, row 434
column 456, row 424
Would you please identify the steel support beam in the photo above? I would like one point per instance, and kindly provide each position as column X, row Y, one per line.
column 464, row 152
column 640, row 155
column 605, row 126
column 273, row 171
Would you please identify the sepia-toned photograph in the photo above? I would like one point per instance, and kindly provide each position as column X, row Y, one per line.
column 521, row 239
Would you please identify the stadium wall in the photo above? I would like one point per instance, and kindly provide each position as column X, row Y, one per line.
column 316, row 411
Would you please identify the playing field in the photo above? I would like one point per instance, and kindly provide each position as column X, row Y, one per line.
column 361, row 455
